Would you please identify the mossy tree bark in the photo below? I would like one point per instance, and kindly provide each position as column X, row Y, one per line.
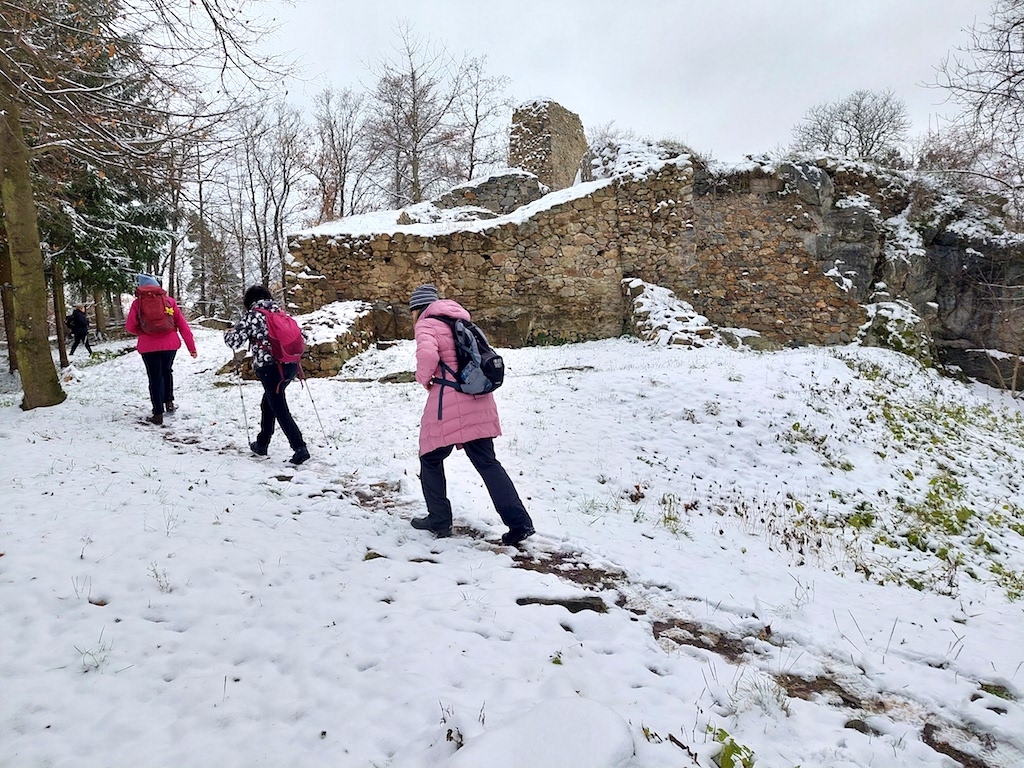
column 8, row 305
column 101, row 315
column 31, row 340
column 60, row 311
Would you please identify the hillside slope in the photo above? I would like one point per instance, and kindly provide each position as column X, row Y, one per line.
column 811, row 557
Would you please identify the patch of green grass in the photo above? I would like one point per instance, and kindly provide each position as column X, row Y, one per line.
column 864, row 517
column 1010, row 580
column 939, row 511
column 998, row 690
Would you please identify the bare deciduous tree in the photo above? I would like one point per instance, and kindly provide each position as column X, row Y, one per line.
column 866, row 125
column 985, row 78
column 271, row 168
column 339, row 156
column 483, row 111
column 413, row 119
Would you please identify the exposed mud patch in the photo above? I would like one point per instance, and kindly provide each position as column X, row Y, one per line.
column 573, row 604
column 568, row 566
column 685, row 632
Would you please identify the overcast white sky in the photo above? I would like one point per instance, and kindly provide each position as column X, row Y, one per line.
column 729, row 77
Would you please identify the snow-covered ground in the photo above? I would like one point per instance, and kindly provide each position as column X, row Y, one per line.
column 804, row 558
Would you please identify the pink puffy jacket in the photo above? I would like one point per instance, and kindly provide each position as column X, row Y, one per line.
column 162, row 342
column 463, row 417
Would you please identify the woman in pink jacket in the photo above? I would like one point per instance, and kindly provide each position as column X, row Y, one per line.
column 158, row 344
column 466, row 421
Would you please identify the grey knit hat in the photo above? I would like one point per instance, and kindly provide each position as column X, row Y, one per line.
column 423, row 297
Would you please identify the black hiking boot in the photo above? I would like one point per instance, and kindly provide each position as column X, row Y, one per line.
column 156, row 418
column 259, row 450
column 300, row 455
column 440, row 530
column 514, row 538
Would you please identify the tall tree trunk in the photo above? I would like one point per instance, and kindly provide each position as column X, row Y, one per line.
column 172, row 266
column 60, row 311
column 116, row 308
column 7, row 299
column 31, row 339
column 101, row 316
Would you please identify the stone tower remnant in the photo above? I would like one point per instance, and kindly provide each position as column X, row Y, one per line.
column 548, row 141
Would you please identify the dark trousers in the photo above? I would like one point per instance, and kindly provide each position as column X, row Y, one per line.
column 499, row 485
column 161, row 377
column 275, row 406
column 80, row 338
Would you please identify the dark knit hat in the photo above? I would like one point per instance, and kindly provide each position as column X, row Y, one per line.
column 423, row 297
column 255, row 293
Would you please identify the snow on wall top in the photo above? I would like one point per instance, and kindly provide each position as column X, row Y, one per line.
column 637, row 160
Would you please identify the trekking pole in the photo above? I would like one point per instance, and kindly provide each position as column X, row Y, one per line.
column 238, row 379
column 245, row 416
column 324, row 431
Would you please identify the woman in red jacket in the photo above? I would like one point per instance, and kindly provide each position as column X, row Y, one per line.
column 158, row 341
column 466, row 421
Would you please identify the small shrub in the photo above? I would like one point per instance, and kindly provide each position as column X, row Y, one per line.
column 733, row 754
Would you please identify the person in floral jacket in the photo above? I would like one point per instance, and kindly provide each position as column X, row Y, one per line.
column 252, row 331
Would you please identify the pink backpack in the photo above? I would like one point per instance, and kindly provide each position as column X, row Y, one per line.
column 155, row 312
column 286, row 341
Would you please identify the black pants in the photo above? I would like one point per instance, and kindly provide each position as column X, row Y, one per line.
column 499, row 485
column 275, row 406
column 80, row 338
column 161, row 377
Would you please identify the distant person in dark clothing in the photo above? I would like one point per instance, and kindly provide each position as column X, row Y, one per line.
column 78, row 324
column 252, row 331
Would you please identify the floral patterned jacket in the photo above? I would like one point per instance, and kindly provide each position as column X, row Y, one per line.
column 251, row 331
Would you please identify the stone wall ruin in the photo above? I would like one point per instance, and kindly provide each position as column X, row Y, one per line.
column 792, row 250
column 553, row 273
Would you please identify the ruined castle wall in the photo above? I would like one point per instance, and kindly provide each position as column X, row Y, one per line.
column 741, row 253
column 555, row 277
column 501, row 193
column 754, row 267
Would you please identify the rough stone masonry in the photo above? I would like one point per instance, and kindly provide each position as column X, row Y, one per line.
column 736, row 251
column 798, row 251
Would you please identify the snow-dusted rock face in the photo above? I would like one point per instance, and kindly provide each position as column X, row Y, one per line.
column 946, row 254
column 895, row 325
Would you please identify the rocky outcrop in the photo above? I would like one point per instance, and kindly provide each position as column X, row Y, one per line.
column 899, row 235
column 895, row 325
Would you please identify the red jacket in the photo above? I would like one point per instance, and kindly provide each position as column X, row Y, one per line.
column 161, row 342
column 464, row 417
